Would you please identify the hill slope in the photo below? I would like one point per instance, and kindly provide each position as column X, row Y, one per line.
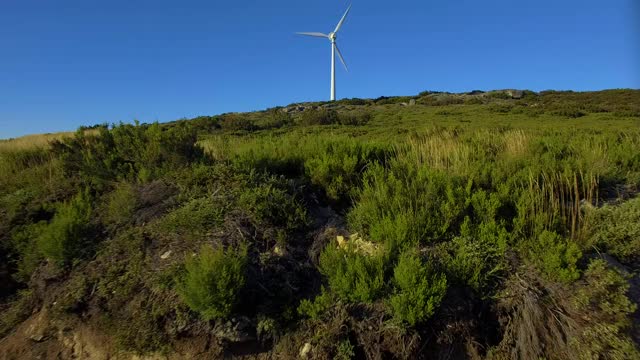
column 483, row 225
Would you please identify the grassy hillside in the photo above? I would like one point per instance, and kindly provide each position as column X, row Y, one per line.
column 487, row 225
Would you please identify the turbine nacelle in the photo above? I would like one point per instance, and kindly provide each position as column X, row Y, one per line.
column 332, row 36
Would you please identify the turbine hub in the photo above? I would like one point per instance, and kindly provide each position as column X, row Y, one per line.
column 332, row 36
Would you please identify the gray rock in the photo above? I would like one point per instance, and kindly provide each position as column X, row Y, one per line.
column 236, row 330
column 516, row 94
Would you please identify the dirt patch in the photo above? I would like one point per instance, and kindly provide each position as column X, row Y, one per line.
column 40, row 337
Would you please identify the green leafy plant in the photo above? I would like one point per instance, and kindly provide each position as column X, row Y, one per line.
column 65, row 237
column 121, row 203
column 556, row 257
column 604, row 299
column 616, row 230
column 213, row 280
column 351, row 275
column 24, row 241
column 345, row 350
column 315, row 308
column 419, row 290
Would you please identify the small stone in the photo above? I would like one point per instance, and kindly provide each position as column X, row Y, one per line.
column 341, row 241
column 165, row 255
column 306, row 349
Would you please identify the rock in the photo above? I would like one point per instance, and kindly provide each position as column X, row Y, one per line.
column 358, row 244
column 236, row 330
column 305, row 351
column 412, row 102
column 166, row 255
column 515, row 94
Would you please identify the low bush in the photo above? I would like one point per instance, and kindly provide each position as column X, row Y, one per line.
column 274, row 201
column 236, row 122
column 338, row 168
column 604, row 299
column 353, row 101
column 319, row 116
column 569, row 112
column 351, row 275
column 25, row 243
column 276, row 119
column 405, row 205
column 65, row 238
column 501, row 108
column 127, row 152
column 616, row 230
column 315, row 308
column 556, row 257
column 213, row 280
column 476, row 258
column 419, row 290
column 120, row 204
column 355, row 118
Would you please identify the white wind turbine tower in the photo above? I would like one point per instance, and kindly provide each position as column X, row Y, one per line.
column 334, row 48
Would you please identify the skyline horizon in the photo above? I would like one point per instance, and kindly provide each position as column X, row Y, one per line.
column 131, row 121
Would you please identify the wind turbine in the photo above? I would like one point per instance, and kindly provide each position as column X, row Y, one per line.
column 334, row 49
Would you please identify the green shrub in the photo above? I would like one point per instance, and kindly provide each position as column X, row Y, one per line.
column 418, row 290
column 65, row 237
column 616, row 230
column 570, row 113
column 345, row 350
column 406, row 205
column 273, row 202
column 121, row 203
column 315, row 308
column 356, row 118
column 604, row 299
column 338, row 167
column 205, row 124
column 127, row 152
column 24, row 242
column 213, row 280
column 353, row 101
column 556, row 257
column 319, row 116
column 276, row 119
column 501, row 108
column 477, row 257
column 351, row 275
column 603, row 341
column 236, row 122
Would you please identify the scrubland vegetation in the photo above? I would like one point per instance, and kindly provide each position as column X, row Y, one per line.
column 436, row 226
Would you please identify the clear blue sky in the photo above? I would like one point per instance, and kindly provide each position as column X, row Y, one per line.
column 66, row 63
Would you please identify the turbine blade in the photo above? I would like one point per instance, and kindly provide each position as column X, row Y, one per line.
column 341, row 58
column 342, row 20
column 314, row 34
